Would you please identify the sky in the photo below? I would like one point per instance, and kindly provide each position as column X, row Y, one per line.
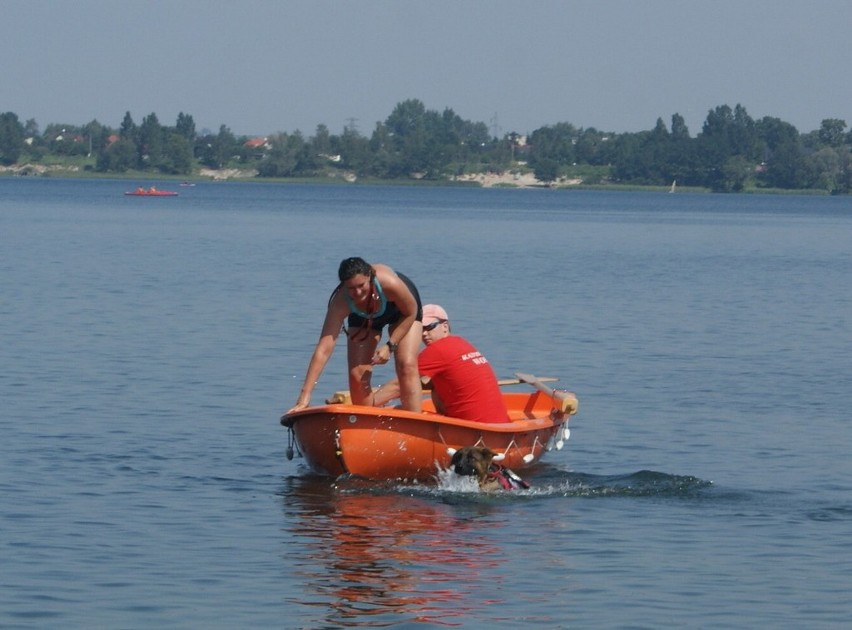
column 266, row 66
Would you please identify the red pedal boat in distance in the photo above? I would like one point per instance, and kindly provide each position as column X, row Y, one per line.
column 382, row 443
column 150, row 192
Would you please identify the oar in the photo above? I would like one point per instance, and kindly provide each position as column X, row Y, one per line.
column 567, row 400
column 342, row 397
column 517, row 381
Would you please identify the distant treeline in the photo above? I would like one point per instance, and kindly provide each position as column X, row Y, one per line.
column 732, row 151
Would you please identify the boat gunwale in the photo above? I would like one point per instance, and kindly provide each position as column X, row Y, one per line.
column 428, row 417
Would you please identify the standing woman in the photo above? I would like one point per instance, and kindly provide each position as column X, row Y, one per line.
column 368, row 298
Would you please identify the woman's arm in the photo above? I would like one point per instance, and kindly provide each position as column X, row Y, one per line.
column 334, row 317
column 397, row 292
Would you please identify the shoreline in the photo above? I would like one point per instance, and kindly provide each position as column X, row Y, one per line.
column 509, row 179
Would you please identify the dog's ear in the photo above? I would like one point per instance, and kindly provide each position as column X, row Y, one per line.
column 488, row 454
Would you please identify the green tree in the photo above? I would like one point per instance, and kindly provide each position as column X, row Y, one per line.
column 185, row 127
column 321, row 141
column 96, row 136
column 176, row 158
column 355, row 153
column 826, row 169
column 681, row 158
column 679, row 129
column 408, row 139
column 118, row 157
column 31, row 128
column 726, row 134
column 216, row 151
column 554, row 143
column 831, row 132
column 546, row 170
column 651, row 157
column 66, row 139
column 374, row 158
column 591, row 147
column 630, row 161
column 128, row 129
column 844, row 183
column 11, row 138
column 736, row 172
column 150, row 142
column 282, row 158
column 782, row 163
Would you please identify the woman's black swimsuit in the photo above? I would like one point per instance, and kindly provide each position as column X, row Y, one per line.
column 391, row 313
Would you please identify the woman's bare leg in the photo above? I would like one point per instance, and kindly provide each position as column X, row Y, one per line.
column 360, row 354
column 410, row 388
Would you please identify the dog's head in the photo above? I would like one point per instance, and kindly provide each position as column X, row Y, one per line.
column 473, row 461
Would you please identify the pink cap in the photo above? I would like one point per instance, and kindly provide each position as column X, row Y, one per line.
column 432, row 312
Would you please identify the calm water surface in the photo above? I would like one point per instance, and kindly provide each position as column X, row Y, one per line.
column 149, row 346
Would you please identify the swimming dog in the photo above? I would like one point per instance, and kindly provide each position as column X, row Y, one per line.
column 481, row 462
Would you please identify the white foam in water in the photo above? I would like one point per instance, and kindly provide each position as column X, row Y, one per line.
column 451, row 482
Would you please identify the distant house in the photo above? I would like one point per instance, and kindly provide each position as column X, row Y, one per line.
column 257, row 143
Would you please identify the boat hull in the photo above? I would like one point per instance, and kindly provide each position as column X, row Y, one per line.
column 391, row 443
column 158, row 193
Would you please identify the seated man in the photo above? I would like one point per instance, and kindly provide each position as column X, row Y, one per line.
column 462, row 381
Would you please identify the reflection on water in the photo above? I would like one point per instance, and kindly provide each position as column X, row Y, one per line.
column 378, row 557
column 370, row 554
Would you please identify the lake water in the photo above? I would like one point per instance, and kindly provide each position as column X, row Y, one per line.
column 149, row 346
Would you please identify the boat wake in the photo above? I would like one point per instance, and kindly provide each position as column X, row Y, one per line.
column 544, row 480
column 551, row 483
column 645, row 483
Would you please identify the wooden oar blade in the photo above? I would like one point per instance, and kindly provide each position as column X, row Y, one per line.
column 566, row 401
column 339, row 398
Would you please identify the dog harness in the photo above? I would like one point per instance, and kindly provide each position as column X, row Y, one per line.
column 507, row 479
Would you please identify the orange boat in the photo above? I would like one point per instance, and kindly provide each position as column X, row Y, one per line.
column 151, row 192
column 382, row 443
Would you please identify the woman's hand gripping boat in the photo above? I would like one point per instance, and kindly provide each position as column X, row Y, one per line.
column 386, row 443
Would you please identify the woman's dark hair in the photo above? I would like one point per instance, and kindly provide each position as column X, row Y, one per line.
column 350, row 267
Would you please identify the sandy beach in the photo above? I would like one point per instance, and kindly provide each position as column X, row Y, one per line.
column 521, row 180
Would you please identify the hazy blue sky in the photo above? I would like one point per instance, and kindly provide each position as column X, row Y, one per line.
column 261, row 66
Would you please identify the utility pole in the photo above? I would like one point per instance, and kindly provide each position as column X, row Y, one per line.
column 495, row 126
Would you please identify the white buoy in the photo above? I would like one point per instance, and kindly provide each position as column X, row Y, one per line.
column 528, row 458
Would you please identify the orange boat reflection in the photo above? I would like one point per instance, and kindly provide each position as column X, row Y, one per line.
column 380, row 558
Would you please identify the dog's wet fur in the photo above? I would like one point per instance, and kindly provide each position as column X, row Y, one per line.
column 477, row 461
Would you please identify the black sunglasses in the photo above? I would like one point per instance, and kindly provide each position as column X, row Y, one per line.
column 434, row 324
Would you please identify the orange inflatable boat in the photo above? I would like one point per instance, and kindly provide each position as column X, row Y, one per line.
column 382, row 443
